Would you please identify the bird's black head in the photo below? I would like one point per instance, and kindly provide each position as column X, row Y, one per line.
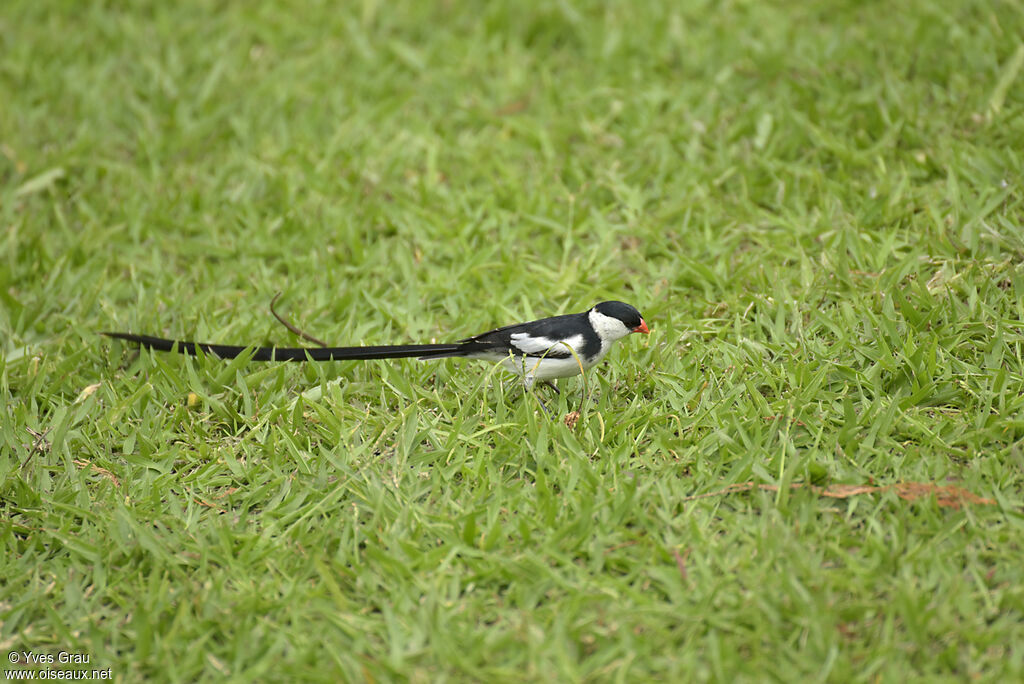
column 624, row 313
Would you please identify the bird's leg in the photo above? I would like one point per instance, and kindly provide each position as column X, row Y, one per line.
column 551, row 385
column 583, row 401
column 530, row 384
column 586, row 394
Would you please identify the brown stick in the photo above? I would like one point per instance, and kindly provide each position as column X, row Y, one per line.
column 291, row 327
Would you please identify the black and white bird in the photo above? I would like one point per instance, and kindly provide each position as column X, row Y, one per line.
column 538, row 351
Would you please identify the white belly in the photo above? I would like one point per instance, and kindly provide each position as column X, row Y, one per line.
column 539, row 369
column 533, row 368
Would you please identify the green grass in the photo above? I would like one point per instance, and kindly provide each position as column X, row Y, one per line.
column 817, row 207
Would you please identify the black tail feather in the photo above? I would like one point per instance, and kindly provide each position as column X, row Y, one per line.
column 227, row 351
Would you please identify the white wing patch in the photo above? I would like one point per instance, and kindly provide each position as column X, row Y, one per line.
column 530, row 344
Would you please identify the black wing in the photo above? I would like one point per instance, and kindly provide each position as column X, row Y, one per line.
column 530, row 336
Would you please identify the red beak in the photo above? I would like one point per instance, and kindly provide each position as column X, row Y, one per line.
column 642, row 328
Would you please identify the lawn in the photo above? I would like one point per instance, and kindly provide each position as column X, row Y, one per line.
column 811, row 470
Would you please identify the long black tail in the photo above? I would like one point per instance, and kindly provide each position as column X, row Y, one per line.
column 228, row 351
